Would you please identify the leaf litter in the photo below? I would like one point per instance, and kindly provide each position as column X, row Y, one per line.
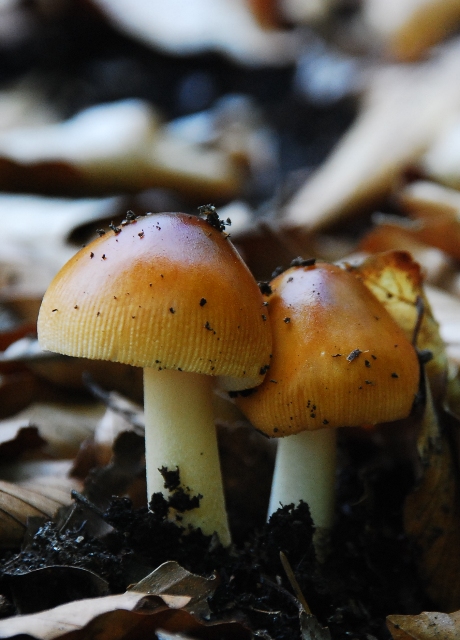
column 246, row 584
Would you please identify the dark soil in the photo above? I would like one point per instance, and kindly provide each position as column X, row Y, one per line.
column 368, row 574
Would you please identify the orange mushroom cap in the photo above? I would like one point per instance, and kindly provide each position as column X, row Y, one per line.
column 339, row 358
column 167, row 290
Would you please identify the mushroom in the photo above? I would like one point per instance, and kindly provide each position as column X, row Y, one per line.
column 167, row 292
column 339, row 359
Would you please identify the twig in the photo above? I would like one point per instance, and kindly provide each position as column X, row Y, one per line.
column 294, row 584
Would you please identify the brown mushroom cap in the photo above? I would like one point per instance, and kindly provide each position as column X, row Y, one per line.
column 166, row 291
column 339, row 358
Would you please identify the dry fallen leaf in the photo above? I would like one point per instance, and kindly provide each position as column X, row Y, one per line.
column 110, row 148
column 426, row 626
column 18, row 390
column 426, row 197
column 390, row 233
column 407, row 28
column 137, row 613
column 196, row 26
column 34, row 243
column 441, row 161
column 179, row 588
column 432, row 513
column 62, row 426
column 396, row 280
column 405, row 107
column 120, row 415
column 125, row 467
column 17, row 504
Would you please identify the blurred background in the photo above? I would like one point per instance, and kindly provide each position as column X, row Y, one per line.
column 322, row 128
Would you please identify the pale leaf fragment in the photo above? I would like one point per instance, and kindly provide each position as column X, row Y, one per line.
column 424, row 197
column 407, row 28
column 34, row 242
column 121, row 415
column 404, row 109
column 110, row 148
column 441, row 161
column 189, row 27
column 24, row 105
column 305, row 11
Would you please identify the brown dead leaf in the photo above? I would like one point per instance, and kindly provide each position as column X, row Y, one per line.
column 390, row 234
column 120, row 415
column 21, row 330
column 426, row 626
column 179, row 588
column 17, row 390
column 396, row 280
column 68, row 373
column 126, row 465
column 63, row 426
column 49, row 478
column 135, row 614
column 17, row 504
column 432, row 513
column 425, row 197
column 14, row 441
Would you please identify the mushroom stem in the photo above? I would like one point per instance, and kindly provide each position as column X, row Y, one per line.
column 180, row 432
column 305, row 470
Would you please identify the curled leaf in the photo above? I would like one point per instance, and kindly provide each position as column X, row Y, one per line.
column 179, row 588
column 396, row 280
column 139, row 613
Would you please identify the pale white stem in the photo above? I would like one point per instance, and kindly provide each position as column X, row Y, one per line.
column 305, row 470
column 180, row 432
